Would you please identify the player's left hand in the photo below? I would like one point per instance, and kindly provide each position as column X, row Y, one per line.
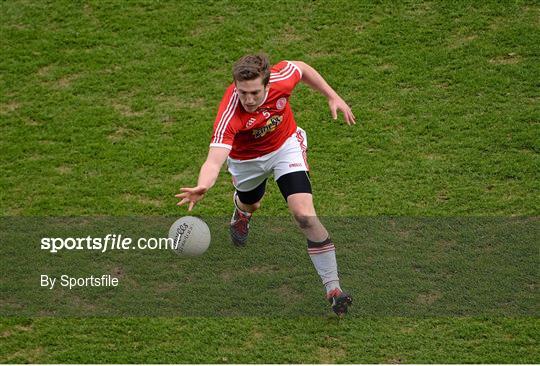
column 339, row 104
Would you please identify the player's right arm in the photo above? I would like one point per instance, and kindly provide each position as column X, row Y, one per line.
column 207, row 177
column 225, row 128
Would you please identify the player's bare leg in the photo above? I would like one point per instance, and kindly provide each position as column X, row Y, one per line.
column 321, row 249
column 301, row 206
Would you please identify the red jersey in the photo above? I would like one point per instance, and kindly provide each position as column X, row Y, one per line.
column 251, row 135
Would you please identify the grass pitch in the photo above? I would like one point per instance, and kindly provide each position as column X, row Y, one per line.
column 106, row 108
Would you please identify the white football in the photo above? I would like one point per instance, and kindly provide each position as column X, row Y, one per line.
column 190, row 235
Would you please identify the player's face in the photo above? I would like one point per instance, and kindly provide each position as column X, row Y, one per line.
column 251, row 93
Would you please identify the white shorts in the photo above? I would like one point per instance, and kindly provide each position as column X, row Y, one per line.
column 290, row 157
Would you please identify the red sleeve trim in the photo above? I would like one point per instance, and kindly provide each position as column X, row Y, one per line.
column 225, row 119
column 285, row 73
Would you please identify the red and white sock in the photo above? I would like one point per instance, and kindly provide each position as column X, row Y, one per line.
column 323, row 257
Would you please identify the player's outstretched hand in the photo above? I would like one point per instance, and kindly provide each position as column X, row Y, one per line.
column 339, row 104
column 191, row 195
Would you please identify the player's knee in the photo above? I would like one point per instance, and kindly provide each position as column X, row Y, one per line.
column 249, row 207
column 304, row 221
column 256, row 205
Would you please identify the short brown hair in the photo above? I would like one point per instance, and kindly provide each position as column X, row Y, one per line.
column 250, row 67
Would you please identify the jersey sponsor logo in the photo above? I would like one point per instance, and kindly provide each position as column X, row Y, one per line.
column 270, row 126
column 295, row 165
column 280, row 104
column 250, row 122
